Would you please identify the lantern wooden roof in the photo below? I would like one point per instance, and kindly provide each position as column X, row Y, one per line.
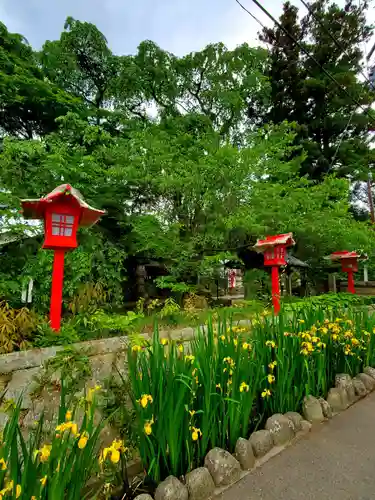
column 35, row 208
column 345, row 254
column 271, row 241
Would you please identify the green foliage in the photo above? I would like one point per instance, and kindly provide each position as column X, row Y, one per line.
column 205, row 177
column 95, row 263
column 60, row 468
column 170, row 283
column 29, row 103
column 71, row 365
column 16, row 327
column 90, row 297
column 331, row 127
column 46, row 337
column 257, row 283
column 114, row 323
column 81, row 62
column 169, row 308
column 329, row 301
column 229, row 380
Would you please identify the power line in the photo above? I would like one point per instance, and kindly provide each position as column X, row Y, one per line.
column 341, row 139
column 333, row 38
column 338, row 44
column 307, row 53
column 369, row 176
column 250, row 14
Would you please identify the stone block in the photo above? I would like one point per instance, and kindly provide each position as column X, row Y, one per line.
column 359, row 387
column 306, row 426
column 368, row 381
column 21, row 386
column 312, row 410
column 4, row 380
column 223, row 467
column 143, row 496
column 295, row 418
column 47, row 405
column 261, row 442
column 200, row 484
column 344, row 381
column 326, row 408
column 281, row 429
column 3, row 419
column 101, row 368
column 34, row 358
column 120, row 367
column 244, row 454
column 23, row 360
column 369, row 371
column 337, row 399
column 171, row 489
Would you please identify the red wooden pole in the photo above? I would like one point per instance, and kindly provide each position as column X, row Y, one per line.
column 57, row 288
column 351, row 288
column 275, row 289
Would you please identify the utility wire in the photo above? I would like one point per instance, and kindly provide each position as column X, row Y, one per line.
column 333, row 38
column 338, row 44
column 341, row 139
column 250, row 14
column 307, row 53
column 369, row 176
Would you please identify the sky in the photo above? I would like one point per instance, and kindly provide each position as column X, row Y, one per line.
column 179, row 26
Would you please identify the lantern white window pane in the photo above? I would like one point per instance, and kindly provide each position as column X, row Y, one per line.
column 62, row 225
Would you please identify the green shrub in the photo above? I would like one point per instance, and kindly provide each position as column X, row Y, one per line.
column 328, row 300
column 16, row 327
column 47, row 337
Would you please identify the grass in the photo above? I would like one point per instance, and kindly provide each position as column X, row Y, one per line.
column 230, row 379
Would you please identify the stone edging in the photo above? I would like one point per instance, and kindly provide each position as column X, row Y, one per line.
column 221, row 469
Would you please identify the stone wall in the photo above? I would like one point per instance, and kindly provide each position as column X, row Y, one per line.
column 21, row 372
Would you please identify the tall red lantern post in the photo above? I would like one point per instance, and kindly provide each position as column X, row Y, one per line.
column 63, row 211
column 274, row 250
column 349, row 264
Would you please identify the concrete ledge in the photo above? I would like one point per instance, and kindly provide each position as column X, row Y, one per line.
column 33, row 358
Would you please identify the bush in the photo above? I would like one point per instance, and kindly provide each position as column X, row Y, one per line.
column 16, row 327
column 328, row 300
column 231, row 379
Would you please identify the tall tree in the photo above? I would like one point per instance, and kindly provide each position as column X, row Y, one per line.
column 333, row 128
column 81, row 63
column 29, row 104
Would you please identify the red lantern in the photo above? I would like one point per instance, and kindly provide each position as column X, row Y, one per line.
column 274, row 250
column 349, row 264
column 63, row 211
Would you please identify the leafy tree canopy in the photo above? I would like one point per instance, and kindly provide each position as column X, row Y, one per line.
column 29, row 104
column 333, row 128
column 192, row 157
